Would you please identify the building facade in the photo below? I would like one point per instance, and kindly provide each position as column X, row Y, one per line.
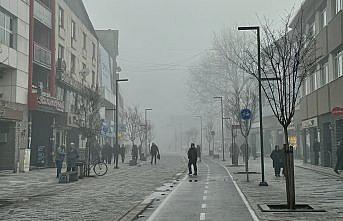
column 321, row 105
column 14, row 61
column 77, row 65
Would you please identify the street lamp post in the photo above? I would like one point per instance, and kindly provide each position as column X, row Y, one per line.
column 200, row 135
column 257, row 28
column 222, row 118
column 117, row 143
column 146, row 130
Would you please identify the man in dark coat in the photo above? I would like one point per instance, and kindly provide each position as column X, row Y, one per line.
column 108, row 153
column 72, row 158
column 154, row 151
column 135, row 153
column 192, row 160
column 276, row 156
column 116, row 155
column 339, row 163
column 122, row 153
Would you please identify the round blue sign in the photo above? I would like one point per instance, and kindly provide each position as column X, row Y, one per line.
column 246, row 114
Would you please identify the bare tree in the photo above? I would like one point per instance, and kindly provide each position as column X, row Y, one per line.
column 208, row 129
column 132, row 120
column 288, row 57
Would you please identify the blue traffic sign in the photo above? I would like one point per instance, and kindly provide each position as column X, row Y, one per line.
column 246, row 114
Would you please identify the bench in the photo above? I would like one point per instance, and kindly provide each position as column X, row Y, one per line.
column 67, row 177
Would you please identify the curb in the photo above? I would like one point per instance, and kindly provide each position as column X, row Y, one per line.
column 319, row 171
column 136, row 210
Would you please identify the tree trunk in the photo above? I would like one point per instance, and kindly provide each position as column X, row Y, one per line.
column 246, row 158
column 289, row 172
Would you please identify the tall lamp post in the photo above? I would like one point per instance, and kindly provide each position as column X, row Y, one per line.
column 257, row 29
column 200, row 135
column 146, row 130
column 222, row 118
column 117, row 118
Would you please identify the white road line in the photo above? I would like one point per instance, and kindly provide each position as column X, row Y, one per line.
column 251, row 211
column 159, row 208
column 205, row 191
column 204, row 198
column 206, row 187
column 202, row 216
column 206, row 183
column 203, row 206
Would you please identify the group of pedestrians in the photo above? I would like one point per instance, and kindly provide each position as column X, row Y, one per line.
column 72, row 158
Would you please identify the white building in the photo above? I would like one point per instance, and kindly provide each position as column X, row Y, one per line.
column 14, row 59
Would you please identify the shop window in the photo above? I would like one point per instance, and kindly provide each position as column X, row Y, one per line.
column 60, row 52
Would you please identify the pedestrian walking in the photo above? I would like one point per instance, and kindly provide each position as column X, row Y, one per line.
column 277, row 158
column 154, row 152
column 192, row 160
column 122, row 153
column 108, row 153
column 72, row 157
column 60, row 154
column 339, row 163
column 115, row 151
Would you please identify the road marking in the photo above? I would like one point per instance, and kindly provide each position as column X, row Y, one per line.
column 206, row 187
column 205, row 191
column 202, row 216
column 251, row 211
column 204, row 198
column 203, row 206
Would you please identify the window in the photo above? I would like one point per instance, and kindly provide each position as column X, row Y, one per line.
column 312, row 30
column 307, row 86
column 338, row 5
column 312, row 82
column 6, row 30
column 93, row 79
column 73, row 30
column 84, row 41
column 60, row 93
column 324, row 74
column 61, row 18
column 338, row 64
column 72, row 63
column 60, row 52
column 323, row 21
column 93, row 54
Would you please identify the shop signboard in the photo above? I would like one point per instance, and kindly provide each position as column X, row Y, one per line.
column 313, row 122
column 337, row 111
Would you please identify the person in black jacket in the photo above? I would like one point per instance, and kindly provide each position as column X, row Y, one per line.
column 154, row 152
column 277, row 157
column 192, row 160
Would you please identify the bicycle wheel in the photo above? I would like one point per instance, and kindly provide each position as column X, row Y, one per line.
column 100, row 169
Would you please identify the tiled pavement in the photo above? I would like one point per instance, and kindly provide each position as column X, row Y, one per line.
column 37, row 195
column 320, row 190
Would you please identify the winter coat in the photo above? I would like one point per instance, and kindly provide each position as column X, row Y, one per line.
column 339, row 165
column 60, row 154
column 72, row 158
column 154, row 150
column 192, row 154
column 277, row 158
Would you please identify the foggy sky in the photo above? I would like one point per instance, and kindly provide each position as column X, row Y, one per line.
column 159, row 39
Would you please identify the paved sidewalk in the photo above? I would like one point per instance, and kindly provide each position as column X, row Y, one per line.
column 312, row 187
column 37, row 195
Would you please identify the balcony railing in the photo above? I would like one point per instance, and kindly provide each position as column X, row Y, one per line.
column 42, row 55
column 42, row 14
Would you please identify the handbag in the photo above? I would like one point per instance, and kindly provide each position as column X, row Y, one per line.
column 158, row 156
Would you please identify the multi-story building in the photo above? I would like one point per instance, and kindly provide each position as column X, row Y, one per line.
column 45, row 110
column 14, row 61
column 322, row 101
column 108, row 52
column 77, row 65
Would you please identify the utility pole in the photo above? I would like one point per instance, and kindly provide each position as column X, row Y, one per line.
column 222, row 119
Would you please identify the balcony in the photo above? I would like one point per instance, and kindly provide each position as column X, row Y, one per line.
column 42, row 55
column 42, row 14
